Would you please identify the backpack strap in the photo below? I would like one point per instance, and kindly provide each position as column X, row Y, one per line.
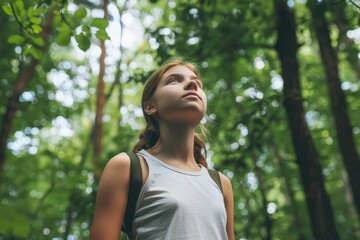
column 216, row 177
column 135, row 183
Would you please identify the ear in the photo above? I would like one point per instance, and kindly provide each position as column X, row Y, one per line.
column 150, row 108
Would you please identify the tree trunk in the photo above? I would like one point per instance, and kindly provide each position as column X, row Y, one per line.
column 20, row 84
column 338, row 102
column 96, row 132
column 317, row 200
column 100, row 102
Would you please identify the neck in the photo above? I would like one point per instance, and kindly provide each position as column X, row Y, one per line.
column 176, row 143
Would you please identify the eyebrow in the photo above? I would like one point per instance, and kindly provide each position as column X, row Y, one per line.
column 180, row 75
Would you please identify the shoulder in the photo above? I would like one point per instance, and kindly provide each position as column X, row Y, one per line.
column 225, row 181
column 120, row 161
column 117, row 170
column 114, row 179
column 226, row 185
column 111, row 198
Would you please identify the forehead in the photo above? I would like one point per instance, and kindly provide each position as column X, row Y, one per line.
column 179, row 70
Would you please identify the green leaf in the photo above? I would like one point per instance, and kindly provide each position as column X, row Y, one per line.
column 35, row 20
column 86, row 30
column 102, row 35
column 30, row 12
column 20, row 10
column 16, row 39
column 63, row 38
column 57, row 19
column 19, row 4
column 83, row 42
column 38, row 41
column 35, row 52
column 100, row 23
column 39, row 10
column 14, row 221
column 80, row 13
column 7, row 9
column 61, row 27
column 36, row 28
column 24, row 52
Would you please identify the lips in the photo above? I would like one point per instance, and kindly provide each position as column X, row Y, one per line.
column 192, row 94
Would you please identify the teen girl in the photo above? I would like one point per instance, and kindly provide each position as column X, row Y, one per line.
column 178, row 199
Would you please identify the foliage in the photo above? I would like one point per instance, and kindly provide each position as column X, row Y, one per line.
column 49, row 189
column 30, row 20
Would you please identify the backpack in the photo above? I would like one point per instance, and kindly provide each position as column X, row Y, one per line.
column 135, row 187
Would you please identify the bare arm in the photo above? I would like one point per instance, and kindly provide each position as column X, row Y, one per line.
column 111, row 199
column 229, row 205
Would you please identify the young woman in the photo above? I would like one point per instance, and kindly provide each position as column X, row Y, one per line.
column 178, row 199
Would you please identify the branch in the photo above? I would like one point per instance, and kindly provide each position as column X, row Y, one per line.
column 16, row 17
column 344, row 1
column 356, row 5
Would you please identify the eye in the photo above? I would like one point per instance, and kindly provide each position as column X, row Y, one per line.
column 173, row 79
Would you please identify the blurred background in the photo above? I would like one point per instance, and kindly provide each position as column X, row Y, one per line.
column 282, row 79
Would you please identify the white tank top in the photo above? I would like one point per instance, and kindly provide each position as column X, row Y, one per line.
column 176, row 204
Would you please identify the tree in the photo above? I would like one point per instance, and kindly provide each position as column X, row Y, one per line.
column 49, row 182
column 34, row 39
column 100, row 102
column 22, row 81
column 318, row 202
column 338, row 100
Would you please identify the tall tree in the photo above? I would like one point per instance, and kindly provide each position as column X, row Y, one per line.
column 318, row 202
column 337, row 99
column 21, row 82
column 100, row 102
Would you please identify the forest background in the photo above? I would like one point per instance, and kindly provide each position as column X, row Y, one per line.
column 282, row 80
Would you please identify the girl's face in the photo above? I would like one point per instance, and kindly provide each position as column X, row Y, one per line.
column 179, row 97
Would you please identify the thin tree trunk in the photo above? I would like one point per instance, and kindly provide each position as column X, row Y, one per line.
column 338, row 101
column 318, row 202
column 100, row 102
column 96, row 131
column 111, row 90
column 20, row 84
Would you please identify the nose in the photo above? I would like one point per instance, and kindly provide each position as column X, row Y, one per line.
column 192, row 85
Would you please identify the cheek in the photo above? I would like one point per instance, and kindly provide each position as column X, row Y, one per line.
column 204, row 100
column 166, row 105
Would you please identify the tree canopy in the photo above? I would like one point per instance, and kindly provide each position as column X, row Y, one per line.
column 282, row 80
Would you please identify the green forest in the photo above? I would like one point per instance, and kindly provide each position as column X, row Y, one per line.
column 282, row 79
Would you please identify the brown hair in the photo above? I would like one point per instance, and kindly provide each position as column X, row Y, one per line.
column 150, row 135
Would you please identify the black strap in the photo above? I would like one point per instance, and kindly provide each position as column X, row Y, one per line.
column 135, row 183
column 216, row 177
